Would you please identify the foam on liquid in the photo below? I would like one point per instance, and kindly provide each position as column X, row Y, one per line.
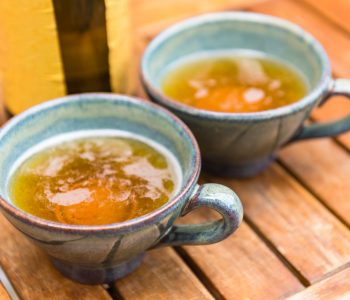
column 239, row 81
column 113, row 176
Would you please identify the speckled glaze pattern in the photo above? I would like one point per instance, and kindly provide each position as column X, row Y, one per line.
column 103, row 253
column 243, row 144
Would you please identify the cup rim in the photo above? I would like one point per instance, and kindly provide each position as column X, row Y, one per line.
column 126, row 226
column 321, row 87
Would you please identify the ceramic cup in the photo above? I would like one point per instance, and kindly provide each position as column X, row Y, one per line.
column 103, row 253
column 243, row 144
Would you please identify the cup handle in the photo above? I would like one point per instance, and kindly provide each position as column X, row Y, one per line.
column 338, row 87
column 215, row 196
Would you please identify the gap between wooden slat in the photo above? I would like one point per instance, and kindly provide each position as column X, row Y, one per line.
column 206, row 281
column 203, row 278
column 181, row 250
column 312, row 192
column 333, row 272
column 29, row 267
column 334, row 287
column 271, row 246
column 164, row 275
column 309, row 188
column 341, row 145
column 309, row 9
column 315, row 269
column 114, row 292
column 148, row 37
column 203, row 275
column 303, row 280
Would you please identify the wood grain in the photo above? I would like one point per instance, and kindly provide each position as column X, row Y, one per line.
column 31, row 273
column 151, row 16
column 164, row 276
column 336, row 287
column 324, row 167
column 334, row 40
column 3, row 294
column 242, row 266
column 300, row 228
column 337, row 12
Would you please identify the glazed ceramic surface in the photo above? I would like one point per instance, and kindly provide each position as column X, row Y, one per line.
column 96, row 254
column 242, row 144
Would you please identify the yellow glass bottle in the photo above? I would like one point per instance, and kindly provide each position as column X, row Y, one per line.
column 52, row 48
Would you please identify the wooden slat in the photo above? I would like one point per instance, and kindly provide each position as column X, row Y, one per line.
column 337, row 11
column 336, row 287
column 242, row 266
column 302, row 230
column 320, row 164
column 151, row 16
column 31, row 273
column 3, row 294
column 336, row 43
column 162, row 275
column 324, row 167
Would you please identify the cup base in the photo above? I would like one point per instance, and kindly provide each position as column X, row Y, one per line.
column 238, row 171
column 88, row 275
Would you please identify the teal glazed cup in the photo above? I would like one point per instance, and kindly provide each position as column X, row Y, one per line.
column 243, row 144
column 103, row 253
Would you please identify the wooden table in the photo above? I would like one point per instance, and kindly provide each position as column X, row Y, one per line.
column 295, row 238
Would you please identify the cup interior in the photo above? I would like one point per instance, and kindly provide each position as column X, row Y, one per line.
column 235, row 31
column 91, row 112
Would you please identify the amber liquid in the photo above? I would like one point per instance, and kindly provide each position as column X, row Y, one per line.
column 92, row 181
column 234, row 83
